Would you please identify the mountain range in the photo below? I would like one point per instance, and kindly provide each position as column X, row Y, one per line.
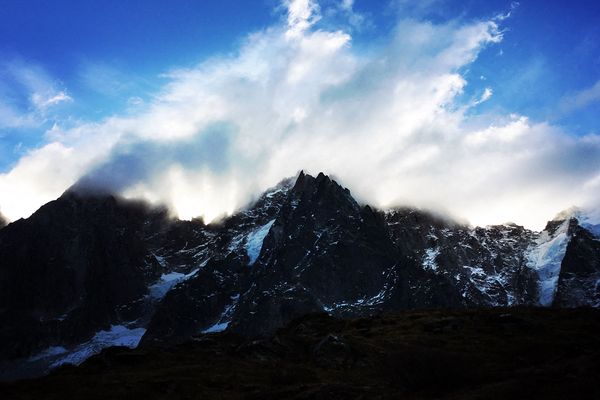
column 91, row 270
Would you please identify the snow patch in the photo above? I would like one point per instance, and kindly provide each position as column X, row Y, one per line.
column 254, row 241
column 593, row 229
column 225, row 318
column 167, row 281
column 429, row 259
column 118, row 335
column 377, row 299
column 49, row 353
column 269, row 195
column 218, row 327
column 545, row 258
column 475, row 271
column 160, row 260
column 235, row 242
column 588, row 219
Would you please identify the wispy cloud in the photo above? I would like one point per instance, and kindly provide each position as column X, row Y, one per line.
column 485, row 96
column 42, row 101
column 111, row 80
column 355, row 19
column 11, row 118
column 390, row 124
column 411, row 8
column 581, row 99
column 513, row 7
column 302, row 14
column 27, row 93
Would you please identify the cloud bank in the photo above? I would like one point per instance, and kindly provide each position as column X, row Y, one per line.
column 389, row 123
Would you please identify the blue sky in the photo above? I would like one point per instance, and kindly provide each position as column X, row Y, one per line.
column 105, row 53
column 65, row 65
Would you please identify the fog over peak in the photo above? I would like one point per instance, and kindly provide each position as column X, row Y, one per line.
column 389, row 123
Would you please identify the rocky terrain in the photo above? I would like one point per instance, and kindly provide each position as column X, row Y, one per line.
column 89, row 270
column 516, row 353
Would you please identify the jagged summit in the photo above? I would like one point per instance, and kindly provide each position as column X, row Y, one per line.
column 589, row 219
column 90, row 271
column 582, row 215
column 571, row 212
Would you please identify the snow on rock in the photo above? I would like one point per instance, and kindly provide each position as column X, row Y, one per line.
column 49, row 353
column 475, row 271
column 588, row 219
column 594, row 229
column 363, row 302
column 255, row 239
column 429, row 259
column 118, row 335
column 545, row 257
column 166, row 282
column 225, row 317
column 160, row 260
column 219, row 327
column 236, row 242
column 269, row 195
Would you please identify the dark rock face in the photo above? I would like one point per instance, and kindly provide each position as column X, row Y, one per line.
column 473, row 267
column 76, row 265
column 3, row 221
column 323, row 251
column 84, row 264
column 579, row 281
column 196, row 303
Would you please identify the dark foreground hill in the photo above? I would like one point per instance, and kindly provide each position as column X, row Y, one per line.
column 516, row 353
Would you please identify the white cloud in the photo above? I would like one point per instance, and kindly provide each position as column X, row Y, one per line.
column 513, row 6
column 27, row 93
column 581, row 99
column 347, row 5
column 104, row 79
column 42, row 101
column 302, row 14
column 10, row 117
column 354, row 18
column 389, row 124
column 485, row 96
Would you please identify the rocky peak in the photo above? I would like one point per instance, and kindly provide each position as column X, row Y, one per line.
column 323, row 195
column 571, row 212
column 588, row 219
column 90, row 262
column 579, row 277
column 265, row 207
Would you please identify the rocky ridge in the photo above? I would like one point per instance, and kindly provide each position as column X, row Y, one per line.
column 90, row 271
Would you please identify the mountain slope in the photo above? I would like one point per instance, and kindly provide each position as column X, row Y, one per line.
column 77, row 265
column 579, row 279
column 88, row 271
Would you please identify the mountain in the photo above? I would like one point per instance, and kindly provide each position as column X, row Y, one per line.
column 3, row 221
column 90, row 270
